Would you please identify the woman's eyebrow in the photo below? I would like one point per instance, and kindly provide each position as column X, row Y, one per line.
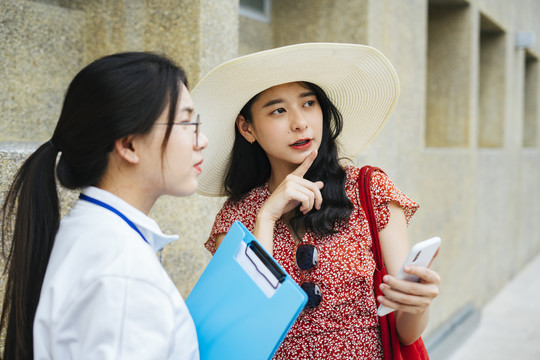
column 307, row 93
column 273, row 102
column 277, row 101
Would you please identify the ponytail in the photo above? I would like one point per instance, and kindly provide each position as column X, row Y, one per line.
column 31, row 213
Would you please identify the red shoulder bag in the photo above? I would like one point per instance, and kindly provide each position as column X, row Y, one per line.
column 392, row 348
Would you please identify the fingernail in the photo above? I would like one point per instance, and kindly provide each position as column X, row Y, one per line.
column 386, row 278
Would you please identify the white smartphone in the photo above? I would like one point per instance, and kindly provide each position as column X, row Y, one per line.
column 421, row 254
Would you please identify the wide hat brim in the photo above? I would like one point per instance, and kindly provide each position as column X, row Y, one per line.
column 359, row 80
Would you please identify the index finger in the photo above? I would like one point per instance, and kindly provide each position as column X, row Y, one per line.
column 302, row 169
column 425, row 274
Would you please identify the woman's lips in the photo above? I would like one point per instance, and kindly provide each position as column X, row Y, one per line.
column 301, row 144
column 198, row 166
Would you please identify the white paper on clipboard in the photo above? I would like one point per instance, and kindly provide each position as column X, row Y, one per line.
column 257, row 271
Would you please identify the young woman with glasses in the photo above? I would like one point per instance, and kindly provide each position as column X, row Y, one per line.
column 280, row 121
column 90, row 285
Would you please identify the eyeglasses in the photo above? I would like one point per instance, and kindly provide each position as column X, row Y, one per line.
column 307, row 258
column 197, row 124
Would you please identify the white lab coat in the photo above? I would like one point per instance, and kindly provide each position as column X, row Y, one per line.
column 105, row 293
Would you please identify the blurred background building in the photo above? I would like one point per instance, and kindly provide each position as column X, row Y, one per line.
column 463, row 141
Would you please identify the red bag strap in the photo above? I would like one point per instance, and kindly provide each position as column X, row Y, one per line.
column 392, row 348
column 364, row 187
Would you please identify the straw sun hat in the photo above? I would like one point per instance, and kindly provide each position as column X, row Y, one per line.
column 359, row 80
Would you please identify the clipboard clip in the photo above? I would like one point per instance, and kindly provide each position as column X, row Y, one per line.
column 267, row 261
column 260, row 267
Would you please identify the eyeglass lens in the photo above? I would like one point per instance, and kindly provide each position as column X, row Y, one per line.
column 306, row 256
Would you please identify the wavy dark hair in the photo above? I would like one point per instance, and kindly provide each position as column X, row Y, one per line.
column 113, row 97
column 249, row 168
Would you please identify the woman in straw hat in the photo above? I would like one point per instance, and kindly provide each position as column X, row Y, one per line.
column 90, row 286
column 279, row 122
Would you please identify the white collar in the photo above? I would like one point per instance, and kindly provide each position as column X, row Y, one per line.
column 146, row 225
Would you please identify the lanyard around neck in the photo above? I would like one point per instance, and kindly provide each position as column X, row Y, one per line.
column 109, row 207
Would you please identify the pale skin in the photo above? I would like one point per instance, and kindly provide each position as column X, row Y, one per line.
column 139, row 173
column 285, row 113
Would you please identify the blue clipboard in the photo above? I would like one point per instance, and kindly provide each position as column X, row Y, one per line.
column 244, row 303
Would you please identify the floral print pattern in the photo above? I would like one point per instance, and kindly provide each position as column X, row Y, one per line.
column 345, row 324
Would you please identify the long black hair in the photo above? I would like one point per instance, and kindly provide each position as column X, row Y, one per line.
column 249, row 167
column 113, row 97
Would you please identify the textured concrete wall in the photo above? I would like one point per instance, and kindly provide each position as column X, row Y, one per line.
column 492, row 90
column 33, row 76
column 254, row 36
column 449, row 98
column 327, row 21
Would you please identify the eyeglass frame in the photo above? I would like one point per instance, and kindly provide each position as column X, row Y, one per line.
column 197, row 124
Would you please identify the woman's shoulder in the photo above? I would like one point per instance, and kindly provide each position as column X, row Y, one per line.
column 253, row 199
column 383, row 191
column 105, row 240
column 382, row 187
column 353, row 172
column 244, row 210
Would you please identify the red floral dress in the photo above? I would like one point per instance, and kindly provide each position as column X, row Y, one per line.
column 345, row 324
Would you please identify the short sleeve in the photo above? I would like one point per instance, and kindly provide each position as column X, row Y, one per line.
column 222, row 223
column 229, row 213
column 383, row 191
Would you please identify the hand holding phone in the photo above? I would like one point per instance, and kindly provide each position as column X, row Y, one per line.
column 421, row 254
